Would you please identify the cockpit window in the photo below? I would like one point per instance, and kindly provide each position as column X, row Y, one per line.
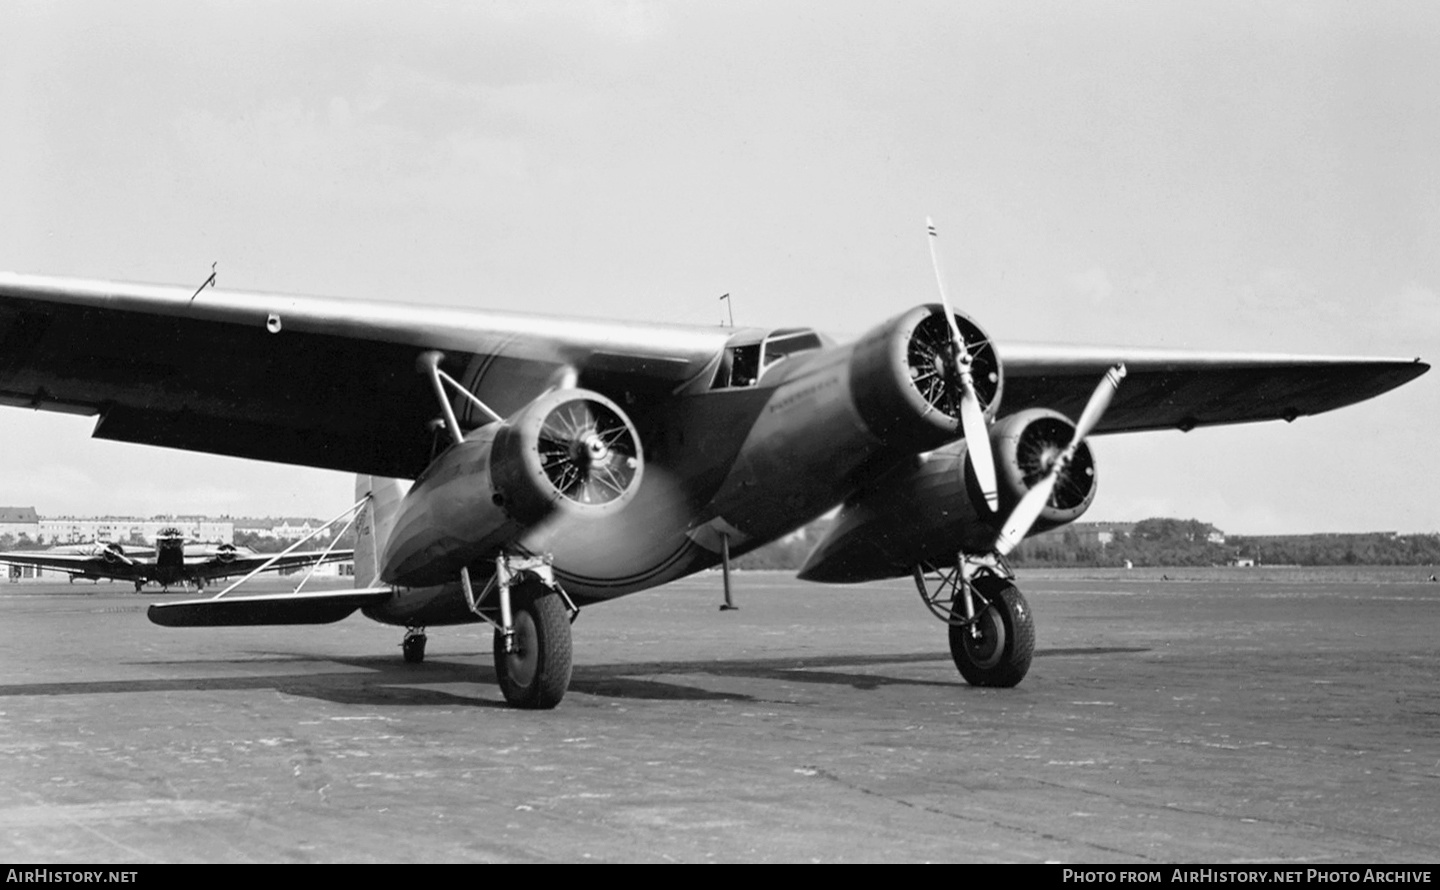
column 743, row 364
column 739, row 367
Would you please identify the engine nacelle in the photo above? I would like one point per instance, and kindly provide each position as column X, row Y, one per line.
column 901, row 383
column 927, row 511
column 113, row 554
column 570, row 451
column 225, row 553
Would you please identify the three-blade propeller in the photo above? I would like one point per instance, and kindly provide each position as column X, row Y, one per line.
column 1034, row 500
column 972, row 415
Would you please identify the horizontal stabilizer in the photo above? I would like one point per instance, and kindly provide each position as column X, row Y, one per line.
column 279, row 608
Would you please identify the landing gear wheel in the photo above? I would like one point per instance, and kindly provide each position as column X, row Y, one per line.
column 413, row 648
column 995, row 650
column 537, row 673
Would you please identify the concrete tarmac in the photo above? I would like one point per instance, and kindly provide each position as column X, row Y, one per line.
column 1228, row 721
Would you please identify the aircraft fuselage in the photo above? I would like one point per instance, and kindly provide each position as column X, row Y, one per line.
column 744, row 463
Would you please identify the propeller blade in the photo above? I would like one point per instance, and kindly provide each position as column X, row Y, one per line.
column 977, row 437
column 972, row 416
column 1023, row 517
column 1099, row 401
column 944, row 298
column 1027, row 511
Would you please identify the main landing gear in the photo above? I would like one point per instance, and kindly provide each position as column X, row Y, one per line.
column 992, row 633
column 531, row 614
column 533, row 662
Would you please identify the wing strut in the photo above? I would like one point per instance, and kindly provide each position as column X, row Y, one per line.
column 429, row 363
column 353, row 513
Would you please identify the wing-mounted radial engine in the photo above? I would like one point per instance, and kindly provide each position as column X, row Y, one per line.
column 225, row 553
column 570, row 456
column 114, row 554
column 925, row 512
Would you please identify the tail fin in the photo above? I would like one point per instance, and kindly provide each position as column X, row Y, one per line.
column 377, row 520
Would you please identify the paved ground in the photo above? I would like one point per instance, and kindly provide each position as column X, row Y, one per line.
column 1227, row 721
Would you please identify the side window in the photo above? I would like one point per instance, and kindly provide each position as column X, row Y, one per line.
column 740, row 366
column 744, row 365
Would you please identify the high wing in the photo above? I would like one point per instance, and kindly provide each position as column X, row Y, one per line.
column 336, row 385
column 1177, row 389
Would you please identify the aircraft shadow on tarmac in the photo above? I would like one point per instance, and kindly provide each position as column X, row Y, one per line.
column 389, row 681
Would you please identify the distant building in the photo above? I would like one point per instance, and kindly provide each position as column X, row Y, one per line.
column 284, row 528
column 79, row 530
column 17, row 521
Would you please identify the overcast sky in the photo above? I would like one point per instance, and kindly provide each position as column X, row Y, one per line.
column 1255, row 176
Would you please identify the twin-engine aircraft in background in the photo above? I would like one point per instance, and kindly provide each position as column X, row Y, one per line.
column 561, row 462
column 173, row 561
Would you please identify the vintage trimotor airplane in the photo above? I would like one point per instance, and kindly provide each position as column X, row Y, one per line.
column 561, row 462
column 173, row 561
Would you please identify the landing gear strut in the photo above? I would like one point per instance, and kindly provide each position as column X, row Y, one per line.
column 532, row 636
column 534, row 671
column 992, row 633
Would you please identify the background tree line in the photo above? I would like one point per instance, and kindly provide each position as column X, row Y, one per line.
column 1166, row 542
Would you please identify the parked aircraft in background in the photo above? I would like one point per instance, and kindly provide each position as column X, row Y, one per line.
column 171, row 562
column 562, row 462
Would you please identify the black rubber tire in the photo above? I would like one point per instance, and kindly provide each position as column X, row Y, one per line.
column 1001, row 656
column 536, row 675
column 413, row 648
